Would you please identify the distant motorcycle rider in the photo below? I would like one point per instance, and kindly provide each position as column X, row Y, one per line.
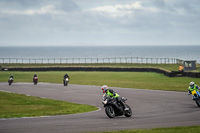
column 35, row 75
column 111, row 93
column 11, row 77
column 192, row 87
column 66, row 76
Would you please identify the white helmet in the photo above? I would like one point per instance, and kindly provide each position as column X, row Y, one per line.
column 104, row 88
column 192, row 84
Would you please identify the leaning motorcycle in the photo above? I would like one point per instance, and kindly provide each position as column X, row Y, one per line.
column 65, row 81
column 196, row 97
column 35, row 80
column 114, row 108
column 10, row 81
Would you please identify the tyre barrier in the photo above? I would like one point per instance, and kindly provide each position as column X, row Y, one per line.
column 110, row 69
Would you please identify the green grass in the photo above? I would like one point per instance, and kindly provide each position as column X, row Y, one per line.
column 189, row 129
column 140, row 80
column 169, row 67
column 18, row 105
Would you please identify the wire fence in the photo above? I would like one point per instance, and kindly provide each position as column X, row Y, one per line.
column 139, row 60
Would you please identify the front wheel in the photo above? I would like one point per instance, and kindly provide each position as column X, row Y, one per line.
column 9, row 82
column 128, row 113
column 198, row 102
column 65, row 83
column 110, row 112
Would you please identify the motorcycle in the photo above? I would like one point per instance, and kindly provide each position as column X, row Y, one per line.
column 10, row 81
column 65, row 81
column 35, row 80
column 114, row 108
column 196, row 97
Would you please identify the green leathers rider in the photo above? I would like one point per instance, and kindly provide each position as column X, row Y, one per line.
column 111, row 93
column 192, row 87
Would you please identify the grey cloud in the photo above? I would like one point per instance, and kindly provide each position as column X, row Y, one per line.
column 68, row 5
column 19, row 4
column 189, row 7
column 70, row 21
column 65, row 5
column 159, row 3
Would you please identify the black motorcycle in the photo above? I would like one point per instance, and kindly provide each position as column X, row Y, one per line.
column 10, row 81
column 65, row 81
column 114, row 108
column 35, row 80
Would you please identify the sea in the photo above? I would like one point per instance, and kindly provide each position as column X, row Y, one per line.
column 178, row 52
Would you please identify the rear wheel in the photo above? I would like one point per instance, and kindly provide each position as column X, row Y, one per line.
column 110, row 112
column 128, row 113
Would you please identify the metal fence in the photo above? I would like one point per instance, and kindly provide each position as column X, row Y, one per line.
column 139, row 60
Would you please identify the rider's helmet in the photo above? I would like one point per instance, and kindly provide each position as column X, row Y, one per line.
column 104, row 88
column 192, row 84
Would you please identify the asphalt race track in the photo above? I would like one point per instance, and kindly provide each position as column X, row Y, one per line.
column 151, row 109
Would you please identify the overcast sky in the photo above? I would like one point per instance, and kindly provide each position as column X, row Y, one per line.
column 99, row 22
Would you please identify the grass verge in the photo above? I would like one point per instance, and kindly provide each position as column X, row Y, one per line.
column 189, row 129
column 18, row 105
column 167, row 67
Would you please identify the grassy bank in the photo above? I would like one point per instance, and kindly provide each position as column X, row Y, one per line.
column 140, row 80
column 17, row 105
column 190, row 129
column 169, row 67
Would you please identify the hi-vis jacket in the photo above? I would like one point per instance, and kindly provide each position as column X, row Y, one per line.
column 195, row 88
column 111, row 93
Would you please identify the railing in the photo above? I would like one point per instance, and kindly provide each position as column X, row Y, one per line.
column 139, row 60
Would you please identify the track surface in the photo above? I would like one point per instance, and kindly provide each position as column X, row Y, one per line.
column 151, row 109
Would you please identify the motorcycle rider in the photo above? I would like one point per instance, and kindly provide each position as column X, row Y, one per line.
column 11, row 77
column 192, row 87
column 35, row 75
column 66, row 76
column 111, row 93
